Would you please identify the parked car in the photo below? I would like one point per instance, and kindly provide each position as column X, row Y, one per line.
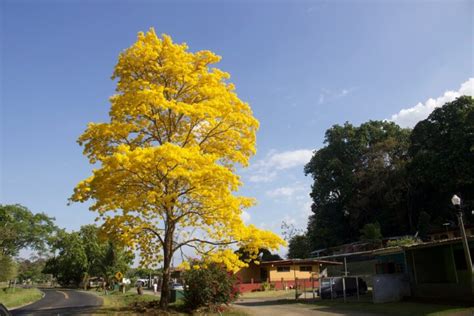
column 337, row 287
column 4, row 311
column 176, row 286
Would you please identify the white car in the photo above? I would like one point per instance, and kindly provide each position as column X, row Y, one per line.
column 176, row 286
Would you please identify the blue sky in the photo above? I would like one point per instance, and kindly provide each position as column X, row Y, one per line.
column 302, row 65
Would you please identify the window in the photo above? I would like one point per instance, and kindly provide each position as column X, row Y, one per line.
column 283, row 269
column 306, row 268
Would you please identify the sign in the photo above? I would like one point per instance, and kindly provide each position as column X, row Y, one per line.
column 119, row 276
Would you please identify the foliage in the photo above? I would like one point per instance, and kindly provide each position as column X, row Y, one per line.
column 166, row 159
column 299, row 247
column 402, row 179
column 32, row 270
column 263, row 255
column 267, row 286
column 405, row 241
column 442, row 152
column 84, row 253
column 8, row 268
column 208, row 286
column 20, row 228
column 371, row 232
column 359, row 177
column 266, row 255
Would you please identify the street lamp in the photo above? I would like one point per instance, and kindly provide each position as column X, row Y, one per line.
column 456, row 200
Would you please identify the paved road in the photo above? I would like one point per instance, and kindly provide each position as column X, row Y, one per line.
column 61, row 302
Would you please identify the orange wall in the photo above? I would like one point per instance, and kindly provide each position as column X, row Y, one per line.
column 247, row 274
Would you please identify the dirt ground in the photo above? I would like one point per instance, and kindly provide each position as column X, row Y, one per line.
column 276, row 307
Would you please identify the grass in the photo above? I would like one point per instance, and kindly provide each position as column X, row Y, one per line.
column 398, row 308
column 18, row 296
column 126, row 304
column 119, row 303
column 268, row 294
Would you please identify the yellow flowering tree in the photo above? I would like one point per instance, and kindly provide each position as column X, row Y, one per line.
column 166, row 160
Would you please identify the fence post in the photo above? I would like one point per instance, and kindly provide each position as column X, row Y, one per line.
column 304, row 288
column 296, row 288
column 344, row 288
column 357, row 287
column 330, row 282
column 320, row 287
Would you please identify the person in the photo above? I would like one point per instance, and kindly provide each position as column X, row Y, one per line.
column 139, row 288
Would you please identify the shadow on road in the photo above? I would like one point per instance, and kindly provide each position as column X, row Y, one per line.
column 80, row 310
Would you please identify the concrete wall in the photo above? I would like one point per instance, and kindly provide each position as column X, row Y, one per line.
column 249, row 274
column 390, row 287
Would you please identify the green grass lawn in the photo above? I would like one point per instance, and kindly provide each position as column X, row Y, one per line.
column 18, row 296
column 118, row 303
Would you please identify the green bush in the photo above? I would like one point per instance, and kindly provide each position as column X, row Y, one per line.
column 209, row 287
column 267, row 286
column 405, row 241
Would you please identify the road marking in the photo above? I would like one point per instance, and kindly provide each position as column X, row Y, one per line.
column 64, row 293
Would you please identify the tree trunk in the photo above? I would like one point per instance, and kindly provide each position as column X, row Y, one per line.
column 167, row 254
column 165, row 286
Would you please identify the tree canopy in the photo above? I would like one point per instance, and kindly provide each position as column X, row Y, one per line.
column 358, row 178
column 442, row 160
column 20, row 228
column 167, row 157
column 401, row 179
column 79, row 255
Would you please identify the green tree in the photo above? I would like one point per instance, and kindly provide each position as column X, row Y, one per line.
column 70, row 263
column 20, row 228
column 82, row 254
column 371, row 232
column 32, row 269
column 299, row 247
column 359, row 177
column 442, row 160
column 8, row 268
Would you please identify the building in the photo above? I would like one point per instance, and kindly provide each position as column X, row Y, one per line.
column 281, row 274
column 449, row 233
column 438, row 269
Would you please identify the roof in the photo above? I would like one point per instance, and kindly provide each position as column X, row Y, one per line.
column 347, row 254
column 298, row 261
column 436, row 243
column 388, row 250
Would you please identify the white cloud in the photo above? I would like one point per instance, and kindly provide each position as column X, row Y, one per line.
column 409, row 117
column 283, row 191
column 246, row 217
column 265, row 170
column 330, row 95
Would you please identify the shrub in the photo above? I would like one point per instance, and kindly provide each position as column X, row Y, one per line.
column 208, row 287
column 405, row 241
column 267, row 286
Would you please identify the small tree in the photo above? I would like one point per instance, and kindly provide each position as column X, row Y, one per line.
column 8, row 268
column 371, row 232
column 208, row 286
column 298, row 247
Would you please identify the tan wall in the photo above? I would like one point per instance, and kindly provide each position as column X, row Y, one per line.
column 294, row 272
